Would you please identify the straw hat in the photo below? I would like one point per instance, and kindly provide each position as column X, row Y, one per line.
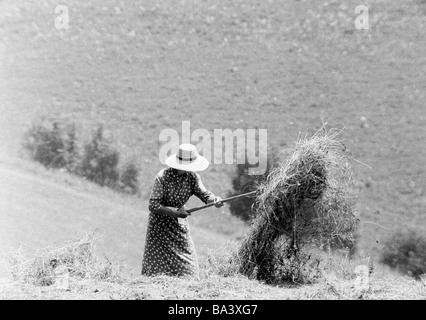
column 187, row 159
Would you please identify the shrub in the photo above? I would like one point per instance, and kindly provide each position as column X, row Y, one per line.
column 242, row 182
column 100, row 160
column 71, row 149
column 406, row 252
column 52, row 144
column 129, row 182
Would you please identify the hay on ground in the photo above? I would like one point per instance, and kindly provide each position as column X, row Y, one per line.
column 75, row 258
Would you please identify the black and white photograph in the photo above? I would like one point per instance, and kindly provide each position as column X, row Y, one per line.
column 212, row 153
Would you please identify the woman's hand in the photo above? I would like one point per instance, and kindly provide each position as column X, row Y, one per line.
column 218, row 202
column 181, row 213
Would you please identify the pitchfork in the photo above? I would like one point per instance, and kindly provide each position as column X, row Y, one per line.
column 223, row 200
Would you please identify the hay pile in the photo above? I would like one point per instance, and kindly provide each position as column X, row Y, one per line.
column 75, row 258
column 309, row 199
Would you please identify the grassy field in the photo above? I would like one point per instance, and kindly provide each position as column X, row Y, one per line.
column 101, row 278
column 142, row 66
column 217, row 288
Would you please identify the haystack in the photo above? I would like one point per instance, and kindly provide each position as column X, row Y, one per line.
column 74, row 258
column 308, row 199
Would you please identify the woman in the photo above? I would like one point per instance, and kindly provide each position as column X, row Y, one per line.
column 169, row 248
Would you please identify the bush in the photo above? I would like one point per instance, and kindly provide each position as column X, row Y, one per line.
column 242, row 182
column 53, row 144
column 71, row 149
column 100, row 160
column 406, row 252
column 129, row 179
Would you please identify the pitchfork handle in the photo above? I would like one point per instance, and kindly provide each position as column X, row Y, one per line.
column 223, row 200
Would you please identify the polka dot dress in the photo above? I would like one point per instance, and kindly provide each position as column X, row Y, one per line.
column 169, row 248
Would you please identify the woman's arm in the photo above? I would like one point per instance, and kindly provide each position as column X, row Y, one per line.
column 156, row 194
column 155, row 201
column 172, row 212
column 203, row 194
column 200, row 191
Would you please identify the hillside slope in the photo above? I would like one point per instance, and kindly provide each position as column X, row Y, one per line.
column 40, row 209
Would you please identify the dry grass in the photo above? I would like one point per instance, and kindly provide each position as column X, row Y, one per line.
column 75, row 258
column 383, row 287
column 223, row 261
column 340, row 279
column 309, row 199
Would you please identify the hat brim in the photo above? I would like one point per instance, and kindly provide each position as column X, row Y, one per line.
column 198, row 164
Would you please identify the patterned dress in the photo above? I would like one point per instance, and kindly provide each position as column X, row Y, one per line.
column 168, row 247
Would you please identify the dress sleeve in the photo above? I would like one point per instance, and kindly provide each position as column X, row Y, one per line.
column 156, row 194
column 200, row 191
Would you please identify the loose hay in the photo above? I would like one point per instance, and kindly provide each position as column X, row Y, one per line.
column 75, row 258
column 309, row 199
